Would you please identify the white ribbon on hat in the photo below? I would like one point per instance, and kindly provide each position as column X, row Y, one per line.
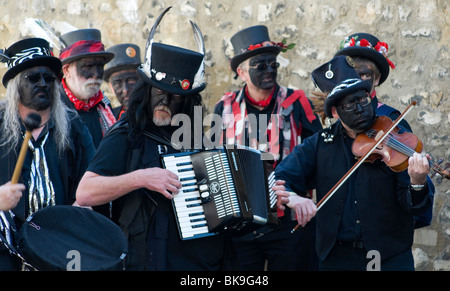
column 344, row 85
column 27, row 54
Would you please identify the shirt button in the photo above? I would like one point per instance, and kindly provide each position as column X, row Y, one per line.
column 358, row 221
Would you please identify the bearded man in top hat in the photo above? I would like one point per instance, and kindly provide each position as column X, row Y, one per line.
column 132, row 174
column 368, row 224
column 84, row 59
column 121, row 73
column 283, row 117
column 60, row 146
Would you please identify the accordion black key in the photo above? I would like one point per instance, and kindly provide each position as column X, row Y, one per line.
column 227, row 189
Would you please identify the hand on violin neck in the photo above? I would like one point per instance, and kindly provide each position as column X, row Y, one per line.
column 418, row 168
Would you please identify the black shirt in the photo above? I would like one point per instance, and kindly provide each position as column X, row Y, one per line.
column 165, row 249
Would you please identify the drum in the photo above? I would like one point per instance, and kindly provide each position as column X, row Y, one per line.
column 62, row 237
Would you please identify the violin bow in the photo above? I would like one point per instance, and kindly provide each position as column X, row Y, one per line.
column 360, row 161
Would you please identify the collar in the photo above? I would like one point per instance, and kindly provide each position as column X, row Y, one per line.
column 80, row 105
column 263, row 103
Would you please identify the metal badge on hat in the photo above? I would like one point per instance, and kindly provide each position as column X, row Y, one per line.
column 329, row 74
column 146, row 67
column 130, row 51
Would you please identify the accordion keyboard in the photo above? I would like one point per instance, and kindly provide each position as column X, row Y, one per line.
column 188, row 206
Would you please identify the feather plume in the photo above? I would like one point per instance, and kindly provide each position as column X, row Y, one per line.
column 40, row 28
column 3, row 57
column 146, row 66
column 199, row 76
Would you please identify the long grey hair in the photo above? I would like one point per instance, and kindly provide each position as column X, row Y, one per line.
column 11, row 129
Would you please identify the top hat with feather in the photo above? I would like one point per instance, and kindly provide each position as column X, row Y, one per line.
column 28, row 53
column 174, row 69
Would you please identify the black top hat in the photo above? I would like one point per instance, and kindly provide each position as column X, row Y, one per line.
column 368, row 46
column 126, row 56
column 251, row 41
column 338, row 78
column 83, row 43
column 28, row 53
column 173, row 69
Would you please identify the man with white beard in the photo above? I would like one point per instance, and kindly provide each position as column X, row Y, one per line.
column 83, row 59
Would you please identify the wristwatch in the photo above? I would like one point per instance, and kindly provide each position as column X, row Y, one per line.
column 417, row 187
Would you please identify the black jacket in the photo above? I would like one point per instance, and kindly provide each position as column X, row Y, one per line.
column 384, row 203
column 66, row 169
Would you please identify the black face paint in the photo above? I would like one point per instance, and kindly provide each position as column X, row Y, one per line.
column 365, row 72
column 164, row 106
column 123, row 83
column 36, row 88
column 93, row 67
column 361, row 117
column 263, row 70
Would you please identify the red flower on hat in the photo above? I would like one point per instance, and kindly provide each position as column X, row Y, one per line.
column 382, row 48
column 254, row 46
column 282, row 44
column 364, row 42
column 352, row 42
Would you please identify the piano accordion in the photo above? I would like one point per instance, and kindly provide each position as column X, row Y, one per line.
column 226, row 189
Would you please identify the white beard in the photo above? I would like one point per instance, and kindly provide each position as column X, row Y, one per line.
column 85, row 89
column 162, row 120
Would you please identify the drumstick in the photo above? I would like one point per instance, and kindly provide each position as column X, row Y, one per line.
column 32, row 122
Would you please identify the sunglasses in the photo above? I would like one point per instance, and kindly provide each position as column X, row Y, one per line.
column 264, row 66
column 34, row 78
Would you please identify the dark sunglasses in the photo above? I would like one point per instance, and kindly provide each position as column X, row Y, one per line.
column 34, row 78
column 264, row 66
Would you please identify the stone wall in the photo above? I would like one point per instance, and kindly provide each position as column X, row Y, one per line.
column 418, row 34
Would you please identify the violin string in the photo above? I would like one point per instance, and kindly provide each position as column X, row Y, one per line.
column 404, row 149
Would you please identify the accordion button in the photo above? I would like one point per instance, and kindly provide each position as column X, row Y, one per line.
column 205, row 194
column 203, row 188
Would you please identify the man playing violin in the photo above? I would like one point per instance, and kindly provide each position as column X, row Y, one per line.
column 370, row 217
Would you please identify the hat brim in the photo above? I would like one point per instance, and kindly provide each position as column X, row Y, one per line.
column 332, row 100
column 107, row 55
column 52, row 62
column 118, row 68
column 236, row 60
column 370, row 53
column 168, row 88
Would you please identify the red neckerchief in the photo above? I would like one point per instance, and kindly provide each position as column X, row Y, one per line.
column 263, row 103
column 80, row 105
column 122, row 111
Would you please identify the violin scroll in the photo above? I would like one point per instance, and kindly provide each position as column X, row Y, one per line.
column 439, row 172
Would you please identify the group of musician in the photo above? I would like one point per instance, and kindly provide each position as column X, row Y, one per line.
column 86, row 153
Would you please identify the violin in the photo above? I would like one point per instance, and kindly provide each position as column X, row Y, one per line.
column 394, row 150
column 383, row 141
